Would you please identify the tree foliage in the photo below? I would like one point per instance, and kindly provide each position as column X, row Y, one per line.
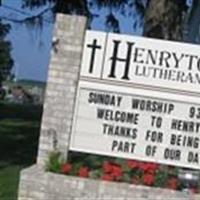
column 193, row 25
column 6, row 61
column 165, row 19
column 83, row 7
column 162, row 18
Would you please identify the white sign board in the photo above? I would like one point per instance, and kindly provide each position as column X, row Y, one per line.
column 138, row 61
column 138, row 99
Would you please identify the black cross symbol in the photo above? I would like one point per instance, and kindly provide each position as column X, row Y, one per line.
column 94, row 47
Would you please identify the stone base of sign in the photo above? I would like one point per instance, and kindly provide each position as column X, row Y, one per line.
column 36, row 184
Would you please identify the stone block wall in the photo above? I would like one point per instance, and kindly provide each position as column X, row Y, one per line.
column 39, row 185
column 61, row 86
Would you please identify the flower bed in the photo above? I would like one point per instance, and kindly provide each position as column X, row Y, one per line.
column 119, row 170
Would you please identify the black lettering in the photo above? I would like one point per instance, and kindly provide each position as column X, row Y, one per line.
column 138, row 53
column 164, row 57
column 114, row 59
column 172, row 154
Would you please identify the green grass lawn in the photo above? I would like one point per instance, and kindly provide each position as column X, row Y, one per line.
column 19, row 132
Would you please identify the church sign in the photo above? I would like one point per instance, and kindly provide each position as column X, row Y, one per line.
column 137, row 98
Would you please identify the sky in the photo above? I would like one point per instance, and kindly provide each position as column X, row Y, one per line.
column 31, row 45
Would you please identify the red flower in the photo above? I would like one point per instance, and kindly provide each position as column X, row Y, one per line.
column 150, row 168
column 107, row 167
column 107, row 177
column 148, row 179
column 66, row 168
column 84, row 172
column 116, row 171
column 113, row 170
column 133, row 164
column 172, row 183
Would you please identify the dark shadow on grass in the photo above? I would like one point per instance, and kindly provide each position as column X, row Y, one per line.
column 19, row 133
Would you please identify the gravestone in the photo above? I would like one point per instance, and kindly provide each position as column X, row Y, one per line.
column 57, row 128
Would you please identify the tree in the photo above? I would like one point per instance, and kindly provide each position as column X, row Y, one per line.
column 81, row 7
column 193, row 25
column 165, row 19
column 6, row 61
column 162, row 18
